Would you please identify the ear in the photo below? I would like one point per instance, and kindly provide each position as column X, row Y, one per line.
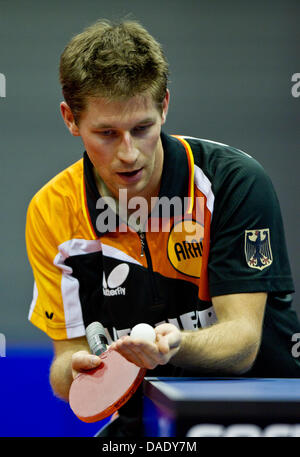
column 68, row 118
column 165, row 106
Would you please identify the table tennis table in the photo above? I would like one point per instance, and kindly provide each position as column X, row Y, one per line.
column 223, row 407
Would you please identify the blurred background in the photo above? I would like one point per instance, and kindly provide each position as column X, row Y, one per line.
column 231, row 65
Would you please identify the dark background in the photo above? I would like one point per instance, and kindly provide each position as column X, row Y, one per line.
column 231, row 65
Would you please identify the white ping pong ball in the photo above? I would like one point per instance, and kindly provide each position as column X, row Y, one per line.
column 143, row 332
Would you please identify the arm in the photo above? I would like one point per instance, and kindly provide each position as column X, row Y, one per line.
column 228, row 347
column 71, row 357
column 231, row 345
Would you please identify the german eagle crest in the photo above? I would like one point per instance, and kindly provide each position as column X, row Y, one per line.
column 258, row 248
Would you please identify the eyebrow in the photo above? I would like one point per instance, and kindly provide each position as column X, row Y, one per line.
column 107, row 126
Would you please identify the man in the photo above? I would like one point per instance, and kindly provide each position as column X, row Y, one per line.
column 212, row 275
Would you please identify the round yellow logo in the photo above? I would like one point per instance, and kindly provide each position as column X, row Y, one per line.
column 185, row 247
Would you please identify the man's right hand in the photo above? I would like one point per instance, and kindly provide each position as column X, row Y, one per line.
column 83, row 361
column 72, row 356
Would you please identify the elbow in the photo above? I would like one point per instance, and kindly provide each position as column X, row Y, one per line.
column 59, row 388
column 244, row 368
column 247, row 359
column 59, row 392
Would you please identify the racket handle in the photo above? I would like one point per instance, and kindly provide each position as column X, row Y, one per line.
column 96, row 338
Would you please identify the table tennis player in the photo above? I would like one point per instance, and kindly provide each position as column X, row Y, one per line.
column 212, row 276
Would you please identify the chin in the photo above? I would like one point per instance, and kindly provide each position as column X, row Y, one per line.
column 136, row 190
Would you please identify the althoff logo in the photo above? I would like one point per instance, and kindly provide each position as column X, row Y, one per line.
column 112, row 286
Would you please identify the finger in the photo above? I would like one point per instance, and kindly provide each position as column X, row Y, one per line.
column 132, row 355
column 162, row 344
column 143, row 354
column 83, row 361
column 166, row 352
column 164, row 329
column 128, row 342
column 171, row 334
column 148, row 353
column 151, row 354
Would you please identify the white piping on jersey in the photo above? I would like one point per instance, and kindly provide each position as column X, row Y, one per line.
column 204, row 185
column 203, row 139
column 70, row 285
column 215, row 142
column 34, row 300
column 115, row 253
column 78, row 246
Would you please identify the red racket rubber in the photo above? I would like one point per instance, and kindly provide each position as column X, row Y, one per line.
column 96, row 394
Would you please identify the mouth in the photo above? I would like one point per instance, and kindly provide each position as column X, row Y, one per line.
column 130, row 176
column 129, row 173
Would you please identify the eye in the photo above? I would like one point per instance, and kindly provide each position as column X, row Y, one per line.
column 107, row 133
column 142, row 128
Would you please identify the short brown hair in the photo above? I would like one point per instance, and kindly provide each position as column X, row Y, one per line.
column 114, row 61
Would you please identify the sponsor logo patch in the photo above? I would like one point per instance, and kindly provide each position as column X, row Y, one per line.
column 258, row 248
column 115, row 279
column 185, row 247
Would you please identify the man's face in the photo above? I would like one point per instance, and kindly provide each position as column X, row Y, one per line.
column 122, row 140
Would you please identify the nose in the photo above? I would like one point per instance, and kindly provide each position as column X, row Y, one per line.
column 127, row 152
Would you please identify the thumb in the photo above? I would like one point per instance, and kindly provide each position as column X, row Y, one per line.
column 83, row 361
column 169, row 334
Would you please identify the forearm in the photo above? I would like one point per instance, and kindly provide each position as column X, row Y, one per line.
column 64, row 366
column 61, row 375
column 228, row 347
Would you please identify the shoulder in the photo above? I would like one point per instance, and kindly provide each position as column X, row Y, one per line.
column 225, row 165
column 58, row 197
column 60, row 187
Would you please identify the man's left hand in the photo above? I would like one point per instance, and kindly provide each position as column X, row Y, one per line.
column 149, row 355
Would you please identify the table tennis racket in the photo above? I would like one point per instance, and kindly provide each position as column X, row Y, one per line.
column 98, row 393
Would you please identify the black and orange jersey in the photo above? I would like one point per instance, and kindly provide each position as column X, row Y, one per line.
column 223, row 235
